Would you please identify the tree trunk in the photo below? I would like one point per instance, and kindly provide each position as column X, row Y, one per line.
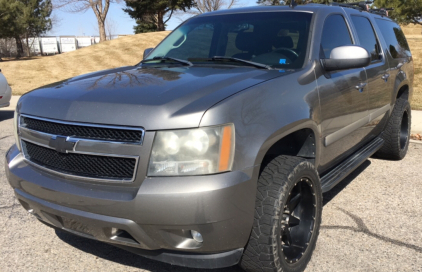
column 28, row 50
column 101, row 28
column 19, row 47
column 160, row 21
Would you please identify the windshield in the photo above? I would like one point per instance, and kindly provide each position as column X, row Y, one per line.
column 277, row 39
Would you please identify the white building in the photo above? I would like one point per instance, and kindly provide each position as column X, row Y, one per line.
column 49, row 46
column 84, row 41
column 34, row 46
column 67, row 43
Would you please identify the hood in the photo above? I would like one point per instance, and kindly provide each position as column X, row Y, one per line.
column 152, row 98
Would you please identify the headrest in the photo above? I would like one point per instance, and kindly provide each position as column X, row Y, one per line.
column 283, row 41
column 245, row 41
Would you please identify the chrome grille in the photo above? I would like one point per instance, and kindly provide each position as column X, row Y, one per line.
column 80, row 164
column 81, row 151
column 114, row 134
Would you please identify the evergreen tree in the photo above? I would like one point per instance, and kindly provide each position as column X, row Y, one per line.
column 405, row 11
column 149, row 14
column 24, row 18
column 9, row 13
column 35, row 19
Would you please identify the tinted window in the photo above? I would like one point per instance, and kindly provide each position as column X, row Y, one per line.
column 335, row 34
column 394, row 37
column 366, row 36
column 278, row 39
column 197, row 43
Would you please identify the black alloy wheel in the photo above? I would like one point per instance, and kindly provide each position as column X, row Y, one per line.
column 287, row 217
column 298, row 220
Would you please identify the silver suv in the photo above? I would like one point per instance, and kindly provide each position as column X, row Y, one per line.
column 215, row 150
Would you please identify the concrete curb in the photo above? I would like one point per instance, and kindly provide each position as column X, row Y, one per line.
column 416, row 121
column 13, row 102
column 415, row 142
column 416, row 115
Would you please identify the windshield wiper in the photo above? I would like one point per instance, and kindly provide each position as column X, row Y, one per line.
column 185, row 62
column 219, row 58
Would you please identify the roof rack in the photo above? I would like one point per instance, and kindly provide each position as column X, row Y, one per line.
column 381, row 11
column 363, row 6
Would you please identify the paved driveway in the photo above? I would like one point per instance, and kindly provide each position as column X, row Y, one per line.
column 372, row 221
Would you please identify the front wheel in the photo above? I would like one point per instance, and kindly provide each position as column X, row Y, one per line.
column 287, row 217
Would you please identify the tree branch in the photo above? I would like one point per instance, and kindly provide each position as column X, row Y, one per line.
column 171, row 13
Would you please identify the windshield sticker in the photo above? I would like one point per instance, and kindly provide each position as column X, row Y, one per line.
column 283, row 61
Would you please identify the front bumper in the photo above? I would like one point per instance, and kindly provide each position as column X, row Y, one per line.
column 5, row 98
column 153, row 220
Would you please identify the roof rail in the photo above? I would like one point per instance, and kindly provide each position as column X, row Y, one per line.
column 292, row 3
column 363, row 6
column 381, row 11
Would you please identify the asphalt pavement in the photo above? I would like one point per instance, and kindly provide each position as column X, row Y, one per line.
column 372, row 221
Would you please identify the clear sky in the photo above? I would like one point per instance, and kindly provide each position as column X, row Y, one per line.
column 86, row 23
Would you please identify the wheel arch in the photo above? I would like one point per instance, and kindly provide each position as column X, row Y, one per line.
column 402, row 89
column 300, row 139
column 403, row 92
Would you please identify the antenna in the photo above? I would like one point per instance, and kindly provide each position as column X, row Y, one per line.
column 293, row 4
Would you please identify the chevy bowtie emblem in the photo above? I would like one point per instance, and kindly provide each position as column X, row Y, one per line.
column 60, row 144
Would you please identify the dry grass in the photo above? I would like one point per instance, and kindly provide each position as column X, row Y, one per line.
column 27, row 74
column 414, row 37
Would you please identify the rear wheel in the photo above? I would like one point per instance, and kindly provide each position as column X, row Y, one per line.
column 287, row 217
column 397, row 133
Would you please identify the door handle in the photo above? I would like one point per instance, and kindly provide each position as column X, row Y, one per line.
column 361, row 86
column 385, row 77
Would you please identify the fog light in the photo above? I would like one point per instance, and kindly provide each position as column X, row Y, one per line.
column 114, row 231
column 196, row 236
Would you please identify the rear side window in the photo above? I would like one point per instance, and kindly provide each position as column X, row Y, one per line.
column 395, row 39
column 335, row 34
column 366, row 36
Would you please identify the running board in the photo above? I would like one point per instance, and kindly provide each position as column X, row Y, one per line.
column 332, row 178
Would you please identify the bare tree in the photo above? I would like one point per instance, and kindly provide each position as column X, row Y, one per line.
column 111, row 27
column 203, row 6
column 100, row 8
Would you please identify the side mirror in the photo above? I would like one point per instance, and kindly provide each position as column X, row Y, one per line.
column 147, row 51
column 347, row 57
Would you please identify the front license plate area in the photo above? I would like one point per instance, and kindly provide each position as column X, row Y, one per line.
column 77, row 226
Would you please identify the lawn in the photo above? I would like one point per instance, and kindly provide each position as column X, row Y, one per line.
column 28, row 74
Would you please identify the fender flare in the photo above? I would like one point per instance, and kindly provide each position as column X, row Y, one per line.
column 289, row 129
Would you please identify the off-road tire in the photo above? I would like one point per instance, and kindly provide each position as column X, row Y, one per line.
column 396, row 135
column 277, row 180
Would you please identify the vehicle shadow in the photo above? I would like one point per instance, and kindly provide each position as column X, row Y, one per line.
column 6, row 115
column 117, row 255
column 360, row 226
column 328, row 196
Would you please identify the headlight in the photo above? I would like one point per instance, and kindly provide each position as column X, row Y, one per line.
column 16, row 129
column 189, row 152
